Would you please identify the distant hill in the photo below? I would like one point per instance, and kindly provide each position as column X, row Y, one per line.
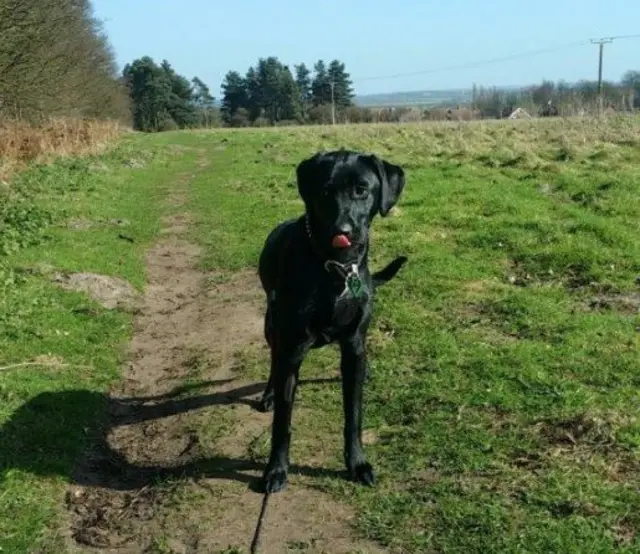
column 419, row 98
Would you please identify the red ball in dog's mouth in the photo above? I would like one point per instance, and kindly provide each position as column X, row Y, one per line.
column 341, row 241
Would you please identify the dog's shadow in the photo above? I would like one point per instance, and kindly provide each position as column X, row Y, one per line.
column 65, row 434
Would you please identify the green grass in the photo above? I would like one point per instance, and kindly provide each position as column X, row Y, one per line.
column 505, row 408
column 59, row 351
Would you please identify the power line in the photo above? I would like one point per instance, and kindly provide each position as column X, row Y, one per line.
column 480, row 63
column 619, row 37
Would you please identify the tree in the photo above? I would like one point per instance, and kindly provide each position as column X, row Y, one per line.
column 181, row 105
column 268, row 72
column 150, row 92
column 290, row 108
column 204, row 102
column 254, row 94
column 272, row 92
column 543, row 93
column 320, row 88
column 234, row 95
column 201, row 94
column 631, row 81
column 342, row 90
column 55, row 59
column 303, row 82
column 162, row 99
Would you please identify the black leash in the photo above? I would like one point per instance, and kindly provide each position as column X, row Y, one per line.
column 256, row 536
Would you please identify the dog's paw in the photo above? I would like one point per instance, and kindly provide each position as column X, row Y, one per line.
column 265, row 404
column 363, row 474
column 274, row 480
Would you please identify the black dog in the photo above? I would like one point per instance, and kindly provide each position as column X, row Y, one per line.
column 315, row 273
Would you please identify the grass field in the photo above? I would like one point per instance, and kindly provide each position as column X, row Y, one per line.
column 502, row 414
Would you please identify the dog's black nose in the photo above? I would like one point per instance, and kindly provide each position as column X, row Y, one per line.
column 344, row 229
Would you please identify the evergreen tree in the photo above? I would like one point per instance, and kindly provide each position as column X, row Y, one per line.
column 272, row 92
column 320, row 88
column 234, row 95
column 202, row 96
column 254, row 94
column 342, row 90
column 181, row 106
column 162, row 99
column 150, row 92
column 303, row 82
column 268, row 72
column 205, row 102
column 290, row 102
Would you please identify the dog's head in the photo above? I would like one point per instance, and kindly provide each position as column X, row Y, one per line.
column 343, row 191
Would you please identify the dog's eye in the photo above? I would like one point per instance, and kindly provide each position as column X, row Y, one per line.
column 360, row 191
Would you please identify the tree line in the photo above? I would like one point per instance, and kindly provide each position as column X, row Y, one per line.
column 55, row 60
column 560, row 98
column 546, row 99
column 270, row 93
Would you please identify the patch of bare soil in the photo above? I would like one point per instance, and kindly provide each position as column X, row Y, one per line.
column 176, row 224
column 626, row 303
column 82, row 224
column 111, row 292
column 593, row 440
column 173, row 468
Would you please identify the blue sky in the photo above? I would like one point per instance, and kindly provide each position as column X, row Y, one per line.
column 377, row 38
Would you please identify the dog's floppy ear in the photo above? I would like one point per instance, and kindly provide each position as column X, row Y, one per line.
column 305, row 175
column 391, row 184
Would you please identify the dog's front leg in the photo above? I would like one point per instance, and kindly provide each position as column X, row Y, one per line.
column 353, row 366
column 266, row 402
column 286, row 368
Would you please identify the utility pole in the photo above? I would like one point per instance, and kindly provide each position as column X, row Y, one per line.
column 333, row 102
column 601, row 42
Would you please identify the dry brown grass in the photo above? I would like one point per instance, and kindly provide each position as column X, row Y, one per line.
column 525, row 144
column 22, row 142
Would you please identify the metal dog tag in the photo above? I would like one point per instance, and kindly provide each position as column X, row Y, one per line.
column 354, row 283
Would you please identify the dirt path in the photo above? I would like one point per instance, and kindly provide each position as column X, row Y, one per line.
column 172, row 469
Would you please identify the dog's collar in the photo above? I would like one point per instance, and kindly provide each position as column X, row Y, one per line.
column 348, row 272
column 353, row 284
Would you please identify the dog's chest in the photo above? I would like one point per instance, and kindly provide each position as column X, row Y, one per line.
column 334, row 317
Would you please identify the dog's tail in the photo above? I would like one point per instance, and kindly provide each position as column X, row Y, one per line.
column 387, row 273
